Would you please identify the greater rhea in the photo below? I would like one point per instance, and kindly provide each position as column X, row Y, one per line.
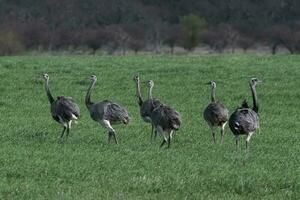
column 106, row 112
column 147, row 106
column 215, row 114
column 164, row 118
column 64, row 110
column 244, row 120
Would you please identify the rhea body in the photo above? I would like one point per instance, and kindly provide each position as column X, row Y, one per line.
column 164, row 118
column 147, row 106
column 64, row 110
column 106, row 112
column 245, row 120
column 216, row 114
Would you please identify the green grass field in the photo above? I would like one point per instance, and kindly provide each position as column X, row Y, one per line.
column 34, row 164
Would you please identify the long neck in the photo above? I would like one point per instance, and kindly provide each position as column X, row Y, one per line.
column 88, row 94
column 138, row 92
column 213, row 94
column 254, row 97
column 50, row 97
column 150, row 94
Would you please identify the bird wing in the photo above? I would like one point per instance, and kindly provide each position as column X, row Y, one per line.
column 174, row 118
column 216, row 113
column 148, row 106
column 115, row 113
column 245, row 120
column 66, row 108
column 166, row 117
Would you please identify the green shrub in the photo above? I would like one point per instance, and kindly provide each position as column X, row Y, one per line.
column 10, row 43
column 191, row 26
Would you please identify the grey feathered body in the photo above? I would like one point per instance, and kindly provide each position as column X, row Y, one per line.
column 215, row 114
column 243, row 121
column 107, row 110
column 166, row 117
column 64, row 108
column 147, row 107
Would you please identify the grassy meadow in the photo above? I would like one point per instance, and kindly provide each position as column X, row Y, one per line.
column 34, row 164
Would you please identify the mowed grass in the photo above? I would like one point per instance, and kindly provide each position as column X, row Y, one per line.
column 34, row 164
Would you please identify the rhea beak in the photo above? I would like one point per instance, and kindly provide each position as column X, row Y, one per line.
column 208, row 83
column 259, row 81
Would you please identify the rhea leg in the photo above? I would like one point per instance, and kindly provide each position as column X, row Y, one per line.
column 222, row 132
column 153, row 132
column 170, row 137
column 115, row 137
column 213, row 133
column 248, row 139
column 63, row 131
column 164, row 140
column 111, row 132
column 160, row 130
column 68, row 128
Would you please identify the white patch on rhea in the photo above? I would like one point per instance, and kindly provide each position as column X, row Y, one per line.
column 74, row 117
column 106, row 124
column 176, row 126
column 70, row 123
column 236, row 125
column 171, row 134
column 249, row 136
column 223, row 125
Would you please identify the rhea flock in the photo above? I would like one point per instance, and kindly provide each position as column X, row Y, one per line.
column 64, row 110
column 244, row 120
column 215, row 114
column 106, row 112
column 147, row 106
column 164, row 118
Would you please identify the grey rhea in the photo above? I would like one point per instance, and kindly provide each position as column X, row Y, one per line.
column 147, row 106
column 164, row 118
column 106, row 112
column 215, row 114
column 244, row 120
column 63, row 110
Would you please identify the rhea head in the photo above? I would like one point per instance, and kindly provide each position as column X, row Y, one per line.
column 46, row 76
column 93, row 78
column 136, row 78
column 213, row 84
column 150, row 84
column 254, row 81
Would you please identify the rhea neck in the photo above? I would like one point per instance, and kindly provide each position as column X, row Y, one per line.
column 213, row 94
column 254, row 97
column 88, row 94
column 50, row 97
column 150, row 93
column 138, row 92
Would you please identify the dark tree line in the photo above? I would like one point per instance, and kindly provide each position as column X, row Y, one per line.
column 148, row 24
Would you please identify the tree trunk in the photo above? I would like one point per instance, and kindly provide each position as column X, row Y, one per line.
column 172, row 50
column 274, row 48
